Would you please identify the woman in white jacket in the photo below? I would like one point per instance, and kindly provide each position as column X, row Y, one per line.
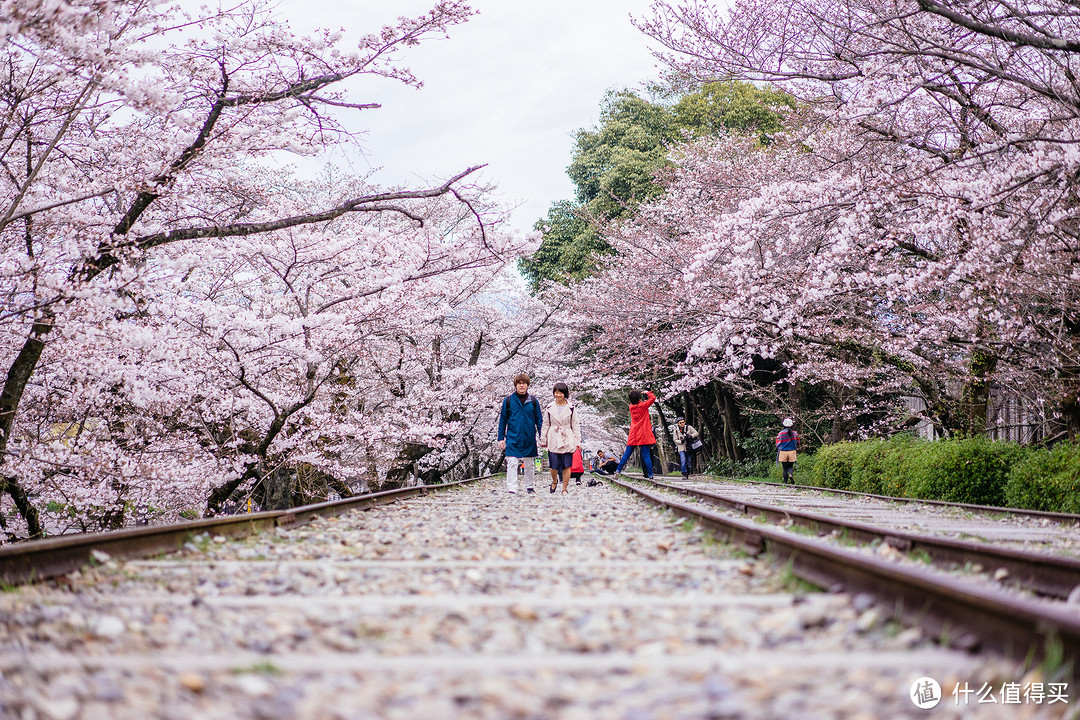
column 561, row 435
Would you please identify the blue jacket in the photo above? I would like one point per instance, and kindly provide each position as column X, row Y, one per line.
column 519, row 424
column 788, row 439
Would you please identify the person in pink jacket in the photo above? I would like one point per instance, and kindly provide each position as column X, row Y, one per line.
column 641, row 432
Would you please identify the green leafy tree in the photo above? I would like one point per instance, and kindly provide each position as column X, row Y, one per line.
column 568, row 250
column 614, row 165
column 733, row 107
column 612, row 170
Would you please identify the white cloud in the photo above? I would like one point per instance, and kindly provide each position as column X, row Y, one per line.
column 509, row 88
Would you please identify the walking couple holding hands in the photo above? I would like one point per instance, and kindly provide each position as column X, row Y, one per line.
column 521, row 421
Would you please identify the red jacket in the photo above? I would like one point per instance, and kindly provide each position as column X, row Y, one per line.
column 640, row 424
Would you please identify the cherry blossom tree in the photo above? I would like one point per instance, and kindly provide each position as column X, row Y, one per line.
column 919, row 226
column 721, row 287
column 139, row 216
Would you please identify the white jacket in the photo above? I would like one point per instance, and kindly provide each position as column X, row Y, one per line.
column 561, row 432
column 680, row 436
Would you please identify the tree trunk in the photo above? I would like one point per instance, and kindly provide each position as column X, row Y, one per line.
column 729, row 415
column 339, row 487
column 716, row 435
column 221, row 494
column 1069, row 374
column 977, row 392
column 662, row 447
column 277, row 489
column 794, row 399
column 1070, row 409
column 664, row 425
column 14, row 385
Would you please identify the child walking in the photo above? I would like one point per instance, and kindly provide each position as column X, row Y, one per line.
column 641, row 432
column 561, row 435
column 787, row 442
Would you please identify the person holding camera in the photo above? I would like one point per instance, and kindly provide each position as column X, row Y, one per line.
column 641, row 432
column 685, row 437
column 604, row 465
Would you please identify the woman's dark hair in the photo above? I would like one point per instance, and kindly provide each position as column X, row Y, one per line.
column 561, row 387
column 635, row 397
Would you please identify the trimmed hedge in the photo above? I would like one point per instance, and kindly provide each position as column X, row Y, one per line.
column 967, row 470
column 1047, row 479
column 832, row 467
column 884, row 467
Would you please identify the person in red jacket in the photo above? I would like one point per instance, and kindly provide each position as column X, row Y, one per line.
column 641, row 433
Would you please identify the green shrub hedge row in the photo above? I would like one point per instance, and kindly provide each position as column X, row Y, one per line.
column 967, row 470
column 1047, row 480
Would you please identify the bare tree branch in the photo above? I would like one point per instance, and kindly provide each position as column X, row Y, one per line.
column 1045, row 42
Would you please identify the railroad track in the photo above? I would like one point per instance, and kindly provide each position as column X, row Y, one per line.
column 54, row 557
column 993, row 510
column 1041, row 573
column 473, row 603
column 973, row 616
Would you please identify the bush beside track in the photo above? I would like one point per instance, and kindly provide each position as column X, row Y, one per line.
column 967, row 470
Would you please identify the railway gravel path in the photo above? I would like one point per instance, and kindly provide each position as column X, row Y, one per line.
column 1021, row 532
column 475, row 603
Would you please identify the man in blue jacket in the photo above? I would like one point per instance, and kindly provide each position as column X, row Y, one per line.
column 520, row 421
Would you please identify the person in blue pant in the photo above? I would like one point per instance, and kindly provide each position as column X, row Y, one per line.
column 641, row 432
column 684, row 436
column 520, row 422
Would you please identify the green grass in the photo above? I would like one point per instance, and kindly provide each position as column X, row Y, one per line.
column 789, row 581
column 687, row 525
column 921, row 556
column 844, row 539
column 260, row 668
column 712, row 540
column 799, row 529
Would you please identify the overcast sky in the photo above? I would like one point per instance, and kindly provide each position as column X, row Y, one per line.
column 508, row 88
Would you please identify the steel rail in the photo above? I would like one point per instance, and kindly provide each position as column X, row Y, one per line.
column 962, row 615
column 1047, row 575
column 37, row 560
column 1022, row 512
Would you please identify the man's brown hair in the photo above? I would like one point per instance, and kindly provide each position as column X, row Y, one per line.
column 522, row 377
